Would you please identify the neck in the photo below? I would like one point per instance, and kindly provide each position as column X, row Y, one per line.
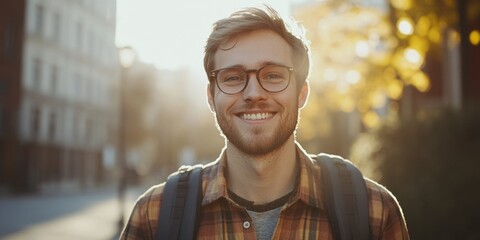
column 265, row 178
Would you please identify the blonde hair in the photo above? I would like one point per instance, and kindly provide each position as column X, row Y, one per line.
column 255, row 18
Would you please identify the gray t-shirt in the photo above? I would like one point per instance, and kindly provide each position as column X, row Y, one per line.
column 264, row 216
column 265, row 222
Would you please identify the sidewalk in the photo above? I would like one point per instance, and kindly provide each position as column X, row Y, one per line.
column 93, row 215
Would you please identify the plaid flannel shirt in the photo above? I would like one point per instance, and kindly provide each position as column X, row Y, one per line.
column 303, row 217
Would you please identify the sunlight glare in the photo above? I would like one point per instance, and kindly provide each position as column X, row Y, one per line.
column 362, row 49
column 172, row 34
column 405, row 26
column 353, row 76
column 413, row 56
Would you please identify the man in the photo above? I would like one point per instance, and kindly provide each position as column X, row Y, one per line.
column 263, row 185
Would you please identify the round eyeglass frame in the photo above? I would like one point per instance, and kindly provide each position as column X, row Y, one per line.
column 214, row 74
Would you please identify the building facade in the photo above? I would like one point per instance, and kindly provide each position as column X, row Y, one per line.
column 68, row 93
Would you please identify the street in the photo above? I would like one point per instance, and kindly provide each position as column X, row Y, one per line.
column 91, row 215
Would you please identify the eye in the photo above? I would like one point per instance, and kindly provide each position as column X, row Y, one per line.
column 272, row 75
column 231, row 76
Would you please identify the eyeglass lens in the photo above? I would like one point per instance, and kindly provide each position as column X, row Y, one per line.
column 272, row 78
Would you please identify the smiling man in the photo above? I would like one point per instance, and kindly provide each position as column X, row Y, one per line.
column 263, row 185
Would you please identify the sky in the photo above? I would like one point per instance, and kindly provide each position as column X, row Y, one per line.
column 172, row 34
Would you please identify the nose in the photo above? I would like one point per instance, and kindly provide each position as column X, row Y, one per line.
column 254, row 91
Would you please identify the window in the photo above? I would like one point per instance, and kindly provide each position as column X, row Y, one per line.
column 88, row 131
column 51, row 126
column 79, row 36
column 35, row 124
column 39, row 19
column 90, row 42
column 73, row 86
column 78, row 87
column 37, row 73
column 110, row 11
column 86, row 89
column 54, row 78
column 75, row 127
column 57, row 27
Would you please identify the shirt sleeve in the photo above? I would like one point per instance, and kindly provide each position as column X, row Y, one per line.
column 386, row 217
column 395, row 226
column 142, row 223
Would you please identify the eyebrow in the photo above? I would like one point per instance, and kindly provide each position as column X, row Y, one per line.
column 262, row 64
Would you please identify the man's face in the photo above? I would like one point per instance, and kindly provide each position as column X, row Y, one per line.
column 256, row 121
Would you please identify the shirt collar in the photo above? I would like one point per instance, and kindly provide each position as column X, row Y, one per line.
column 216, row 182
column 309, row 189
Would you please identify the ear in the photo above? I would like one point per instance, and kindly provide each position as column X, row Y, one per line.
column 303, row 95
column 210, row 98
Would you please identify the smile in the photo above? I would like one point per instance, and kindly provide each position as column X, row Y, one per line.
column 256, row 116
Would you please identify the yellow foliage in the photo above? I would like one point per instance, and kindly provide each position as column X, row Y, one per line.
column 389, row 73
column 423, row 26
column 434, row 35
column 420, row 81
column 346, row 103
column 362, row 57
column 419, row 43
column 382, row 59
column 474, row 37
column 363, row 105
column 315, row 120
column 377, row 99
column 402, row 4
column 371, row 119
column 394, row 88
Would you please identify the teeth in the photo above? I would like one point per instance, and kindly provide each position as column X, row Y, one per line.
column 257, row 116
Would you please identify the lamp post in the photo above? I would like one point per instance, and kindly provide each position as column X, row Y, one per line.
column 127, row 58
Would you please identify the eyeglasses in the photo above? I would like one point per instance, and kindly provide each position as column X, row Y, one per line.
column 233, row 80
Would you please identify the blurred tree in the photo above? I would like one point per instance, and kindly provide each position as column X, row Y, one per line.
column 140, row 91
column 139, row 83
column 431, row 164
column 169, row 118
column 364, row 56
column 352, row 73
column 357, row 62
column 180, row 120
column 205, row 138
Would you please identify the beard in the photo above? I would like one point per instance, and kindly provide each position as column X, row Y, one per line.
column 258, row 141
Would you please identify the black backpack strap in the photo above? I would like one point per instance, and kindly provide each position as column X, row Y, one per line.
column 346, row 198
column 181, row 204
column 191, row 214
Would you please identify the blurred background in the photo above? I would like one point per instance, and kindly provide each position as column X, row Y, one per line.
column 100, row 99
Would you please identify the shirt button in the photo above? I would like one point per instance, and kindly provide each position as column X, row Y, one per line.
column 246, row 224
